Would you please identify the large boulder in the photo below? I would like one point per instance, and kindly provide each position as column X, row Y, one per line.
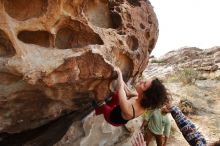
column 56, row 55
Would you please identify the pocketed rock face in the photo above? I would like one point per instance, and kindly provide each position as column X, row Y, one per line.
column 55, row 56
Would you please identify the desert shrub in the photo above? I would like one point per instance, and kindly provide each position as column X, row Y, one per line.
column 157, row 61
column 186, row 106
column 217, row 78
column 187, row 75
column 171, row 77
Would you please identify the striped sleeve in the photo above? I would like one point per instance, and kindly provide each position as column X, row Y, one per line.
column 187, row 128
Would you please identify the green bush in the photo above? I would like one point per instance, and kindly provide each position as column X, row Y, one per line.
column 187, row 75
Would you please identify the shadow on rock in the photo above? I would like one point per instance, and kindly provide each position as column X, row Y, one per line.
column 46, row 135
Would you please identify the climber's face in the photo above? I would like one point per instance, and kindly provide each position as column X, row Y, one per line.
column 141, row 86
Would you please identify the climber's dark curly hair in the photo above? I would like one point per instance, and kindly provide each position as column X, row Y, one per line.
column 155, row 96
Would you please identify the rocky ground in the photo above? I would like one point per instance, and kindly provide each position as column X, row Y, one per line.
column 202, row 70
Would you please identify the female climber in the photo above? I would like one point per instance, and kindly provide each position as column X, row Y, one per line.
column 119, row 110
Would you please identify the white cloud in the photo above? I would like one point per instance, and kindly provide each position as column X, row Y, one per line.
column 187, row 23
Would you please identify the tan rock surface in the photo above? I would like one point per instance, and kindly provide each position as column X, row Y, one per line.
column 56, row 55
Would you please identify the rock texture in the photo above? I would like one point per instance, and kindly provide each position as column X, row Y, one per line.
column 56, row 55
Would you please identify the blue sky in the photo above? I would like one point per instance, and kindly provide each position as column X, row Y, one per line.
column 182, row 23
